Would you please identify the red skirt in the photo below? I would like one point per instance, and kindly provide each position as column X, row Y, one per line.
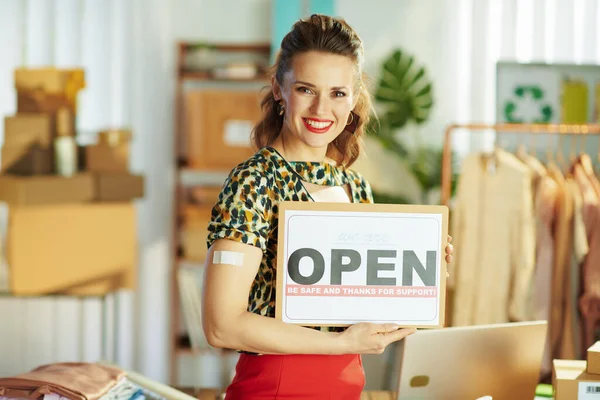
column 307, row 377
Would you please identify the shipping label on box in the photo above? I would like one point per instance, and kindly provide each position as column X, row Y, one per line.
column 218, row 126
column 340, row 264
column 589, row 391
column 571, row 381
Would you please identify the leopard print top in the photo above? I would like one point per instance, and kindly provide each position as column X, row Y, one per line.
column 247, row 210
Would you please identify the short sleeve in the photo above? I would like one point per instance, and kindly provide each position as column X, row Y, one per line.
column 242, row 210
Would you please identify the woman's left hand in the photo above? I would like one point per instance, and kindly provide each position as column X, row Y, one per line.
column 449, row 250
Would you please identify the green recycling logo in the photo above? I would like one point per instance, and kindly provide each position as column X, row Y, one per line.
column 533, row 94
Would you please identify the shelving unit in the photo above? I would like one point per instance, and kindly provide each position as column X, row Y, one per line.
column 189, row 177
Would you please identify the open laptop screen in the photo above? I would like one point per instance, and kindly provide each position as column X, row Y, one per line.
column 501, row 360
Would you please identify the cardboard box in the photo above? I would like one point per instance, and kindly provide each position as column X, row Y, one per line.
column 32, row 160
column 593, row 359
column 42, row 102
column 114, row 137
column 49, row 189
column 118, row 186
column 217, row 127
column 570, row 380
column 53, row 248
column 49, row 80
column 195, row 231
column 28, row 129
column 105, row 158
column 100, row 287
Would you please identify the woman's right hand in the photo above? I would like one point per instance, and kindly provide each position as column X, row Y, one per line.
column 369, row 338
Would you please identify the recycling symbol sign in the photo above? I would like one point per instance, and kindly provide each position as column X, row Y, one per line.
column 528, row 105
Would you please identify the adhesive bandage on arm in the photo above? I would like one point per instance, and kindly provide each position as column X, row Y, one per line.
column 229, row 258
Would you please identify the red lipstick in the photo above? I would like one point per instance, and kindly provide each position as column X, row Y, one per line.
column 314, row 129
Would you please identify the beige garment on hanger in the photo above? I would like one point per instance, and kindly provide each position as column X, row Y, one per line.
column 571, row 339
column 545, row 213
column 562, row 255
column 579, row 253
column 590, row 299
column 494, row 227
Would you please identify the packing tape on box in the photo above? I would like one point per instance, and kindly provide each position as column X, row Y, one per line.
column 229, row 258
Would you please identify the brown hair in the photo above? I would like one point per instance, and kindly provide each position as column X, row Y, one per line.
column 325, row 34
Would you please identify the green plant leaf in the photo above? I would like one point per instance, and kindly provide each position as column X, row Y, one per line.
column 386, row 198
column 404, row 90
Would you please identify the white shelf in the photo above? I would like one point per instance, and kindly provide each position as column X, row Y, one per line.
column 190, row 177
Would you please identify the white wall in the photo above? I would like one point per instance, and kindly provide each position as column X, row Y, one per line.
column 243, row 21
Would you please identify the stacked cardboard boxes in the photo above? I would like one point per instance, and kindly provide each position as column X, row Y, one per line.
column 71, row 227
column 577, row 379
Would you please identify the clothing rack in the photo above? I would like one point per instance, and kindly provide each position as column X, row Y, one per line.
column 527, row 129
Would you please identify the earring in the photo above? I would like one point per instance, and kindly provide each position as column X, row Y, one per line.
column 351, row 119
column 280, row 108
column 352, row 124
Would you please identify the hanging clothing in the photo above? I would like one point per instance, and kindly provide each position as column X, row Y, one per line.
column 494, row 226
column 578, row 254
column 545, row 211
column 562, row 240
column 589, row 302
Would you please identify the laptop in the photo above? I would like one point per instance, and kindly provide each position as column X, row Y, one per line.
column 502, row 361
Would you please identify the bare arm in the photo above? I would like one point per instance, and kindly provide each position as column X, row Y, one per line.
column 227, row 324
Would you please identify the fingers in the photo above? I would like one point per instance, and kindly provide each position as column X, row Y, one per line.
column 448, row 259
column 449, row 239
column 386, row 328
column 398, row 334
column 449, row 249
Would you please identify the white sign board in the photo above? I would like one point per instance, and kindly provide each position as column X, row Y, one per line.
column 340, row 264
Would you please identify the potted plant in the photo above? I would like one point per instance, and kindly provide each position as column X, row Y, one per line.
column 404, row 94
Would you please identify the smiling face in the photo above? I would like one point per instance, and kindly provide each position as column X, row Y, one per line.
column 318, row 95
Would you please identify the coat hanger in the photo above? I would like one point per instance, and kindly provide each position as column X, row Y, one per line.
column 521, row 147
column 532, row 141
column 572, row 145
column 549, row 153
column 584, row 159
column 560, row 158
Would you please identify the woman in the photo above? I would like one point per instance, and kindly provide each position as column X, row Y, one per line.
column 314, row 117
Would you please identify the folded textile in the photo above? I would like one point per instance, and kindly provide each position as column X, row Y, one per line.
column 75, row 381
column 54, row 396
column 123, row 390
column 139, row 395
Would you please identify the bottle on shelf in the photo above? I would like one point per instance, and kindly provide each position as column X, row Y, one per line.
column 65, row 145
